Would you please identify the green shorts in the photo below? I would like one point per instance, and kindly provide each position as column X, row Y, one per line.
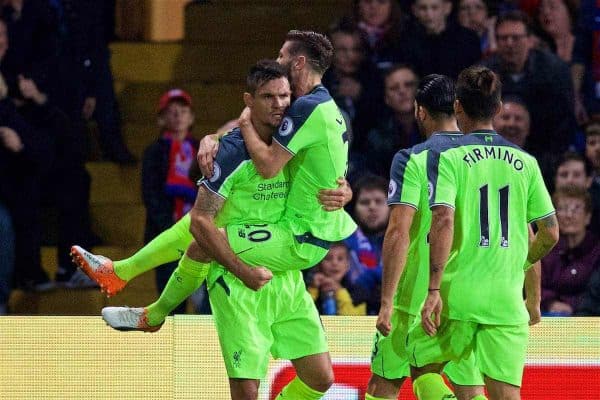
column 389, row 358
column 275, row 246
column 279, row 319
column 499, row 349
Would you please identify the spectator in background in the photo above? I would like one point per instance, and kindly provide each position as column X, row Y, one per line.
column 384, row 25
column 556, row 20
column 574, row 170
column 543, row 81
column 371, row 214
column 441, row 46
column 33, row 36
column 84, row 88
column 592, row 154
column 65, row 183
column 352, row 80
column 567, row 269
column 168, row 191
column 23, row 157
column 512, row 122
column 397, row 129
column 585, row 68
column 7, row 256
column 589, row 305
column 330, row 285
column 475, row 15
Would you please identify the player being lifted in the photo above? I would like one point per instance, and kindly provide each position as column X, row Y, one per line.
column 406, row 251
column 483, row 192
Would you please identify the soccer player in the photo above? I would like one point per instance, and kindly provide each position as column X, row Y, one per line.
column 405, row 250
column 234, row 194
column 483, row 193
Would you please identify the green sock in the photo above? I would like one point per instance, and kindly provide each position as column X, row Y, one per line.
column 432, row 387
column 298, row 390
column 167, row 247
column 187, row 277
column 371, row 397
column 479, row 397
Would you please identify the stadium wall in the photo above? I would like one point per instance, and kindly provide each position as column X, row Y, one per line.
column 81, row 358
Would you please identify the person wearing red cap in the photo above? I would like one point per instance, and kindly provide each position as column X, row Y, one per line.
column 167, row 189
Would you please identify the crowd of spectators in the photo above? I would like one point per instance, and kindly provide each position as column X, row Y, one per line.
column 54, row 79
column 546, row 53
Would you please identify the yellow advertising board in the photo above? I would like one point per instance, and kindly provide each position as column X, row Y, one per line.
column 81, row 358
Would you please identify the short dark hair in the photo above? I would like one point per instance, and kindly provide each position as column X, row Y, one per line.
column 592, row 128
column 315, row 46
column 574, row 192
column 436, row 93
column 515, row 16
column 263, row 72
column 398, row 67
column 574, row 156
column 370, row 182
column 479, row 89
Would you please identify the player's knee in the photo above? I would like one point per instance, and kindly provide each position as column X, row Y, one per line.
column 196, row 253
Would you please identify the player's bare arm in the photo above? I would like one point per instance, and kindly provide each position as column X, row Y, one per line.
column 533, row 288
column 214, row 242
column 545, row 238
column 395, row 248
column 269, row 159
column 440, row 242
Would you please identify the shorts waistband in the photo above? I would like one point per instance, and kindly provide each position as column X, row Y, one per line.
column 315, row 241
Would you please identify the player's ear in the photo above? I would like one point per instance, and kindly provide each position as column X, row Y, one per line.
column 248, row 99
column 458, row 109
column 300, row 62
column 498, row 109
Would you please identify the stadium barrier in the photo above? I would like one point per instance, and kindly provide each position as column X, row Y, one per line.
column 81, row 358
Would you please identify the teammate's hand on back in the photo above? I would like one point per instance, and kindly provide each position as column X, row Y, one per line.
column 431, row 312
column 384, row 324
column 334, row 199
column 207, row 150
column 10, row 139
column 257, row 278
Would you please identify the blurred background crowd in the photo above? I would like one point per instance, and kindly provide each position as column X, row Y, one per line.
column 58, row 104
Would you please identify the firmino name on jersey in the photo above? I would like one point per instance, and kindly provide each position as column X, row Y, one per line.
column 494, row 152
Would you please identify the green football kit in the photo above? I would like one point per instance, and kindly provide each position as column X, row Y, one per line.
column 408, row 186
column 314, row 132
column 496, row 189
column 281, row 318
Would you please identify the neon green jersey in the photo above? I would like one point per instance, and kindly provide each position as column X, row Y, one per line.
column 314, row 132
column 250, row 199
column 408, row 186
column 496, row 189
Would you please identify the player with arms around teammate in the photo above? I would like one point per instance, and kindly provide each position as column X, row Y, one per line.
column 251, row 324
column 483, row 194
column 406, row 251
column 312, row 142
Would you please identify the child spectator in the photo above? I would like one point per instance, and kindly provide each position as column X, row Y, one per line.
column 168, row 191
column 567, row 269
column 330, row 284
